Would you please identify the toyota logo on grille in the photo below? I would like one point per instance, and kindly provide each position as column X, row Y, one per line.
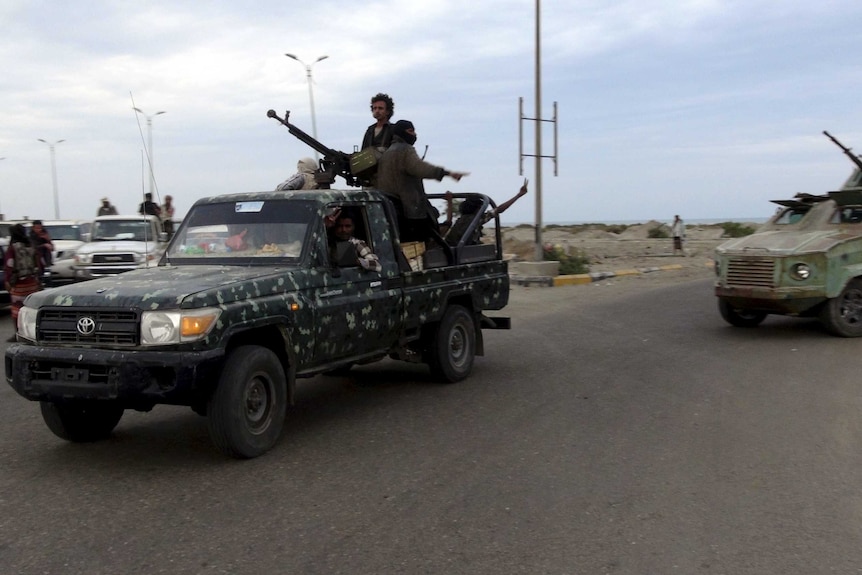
column 86, row 326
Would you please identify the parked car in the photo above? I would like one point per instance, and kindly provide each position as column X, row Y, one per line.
column 119, row 244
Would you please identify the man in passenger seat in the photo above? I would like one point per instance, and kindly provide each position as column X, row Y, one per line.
column 346, row 250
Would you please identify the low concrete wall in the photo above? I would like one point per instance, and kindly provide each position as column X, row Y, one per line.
column 534, row 269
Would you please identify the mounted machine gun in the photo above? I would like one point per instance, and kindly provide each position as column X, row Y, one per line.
column 853, row 157
column 355, row 168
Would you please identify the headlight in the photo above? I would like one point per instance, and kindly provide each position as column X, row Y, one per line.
column 800, row 272
column 167, row 327
column 27, row 322
column 717, row 267
column 83, row 258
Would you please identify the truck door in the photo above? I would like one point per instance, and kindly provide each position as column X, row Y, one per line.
column 360, row 311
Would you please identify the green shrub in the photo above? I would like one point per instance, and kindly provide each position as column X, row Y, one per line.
column 572, row 263
column 658, row 232
column 736, row 230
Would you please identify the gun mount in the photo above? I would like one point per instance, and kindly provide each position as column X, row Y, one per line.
column 334, row 163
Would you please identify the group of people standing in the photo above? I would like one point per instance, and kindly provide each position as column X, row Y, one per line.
column 399, row 175
column 24, row 261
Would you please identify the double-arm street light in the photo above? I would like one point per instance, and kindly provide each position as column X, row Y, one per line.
column 310, row 92
column 54, row 175
column 150, row 143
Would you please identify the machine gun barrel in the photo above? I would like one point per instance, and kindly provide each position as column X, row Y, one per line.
column 333, row 162
column 853, row 157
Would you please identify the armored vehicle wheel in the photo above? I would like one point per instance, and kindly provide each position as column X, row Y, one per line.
column 247, row 409
column 81, row 421
column 452, row 345
column 843, row 315
column 739, row 317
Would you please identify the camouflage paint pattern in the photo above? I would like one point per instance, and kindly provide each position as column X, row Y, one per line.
column 320, row 317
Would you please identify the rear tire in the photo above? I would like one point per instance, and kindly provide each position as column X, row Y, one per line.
column 81, row 421
column 452, row 345
column 740, row 317
column 842, row 315
column 247, row 409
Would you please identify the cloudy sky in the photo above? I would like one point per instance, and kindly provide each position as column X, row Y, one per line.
column 705, row 108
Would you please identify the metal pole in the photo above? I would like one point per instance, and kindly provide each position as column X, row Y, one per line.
column 1, row 211
column 538, row 183
column 310, row 93
column 150, row 145
column 54, row 176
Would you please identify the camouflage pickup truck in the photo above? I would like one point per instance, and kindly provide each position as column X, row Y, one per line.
column 806, row 261
column 227, row 327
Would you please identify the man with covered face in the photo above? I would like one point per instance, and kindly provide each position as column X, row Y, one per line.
column 399, row 175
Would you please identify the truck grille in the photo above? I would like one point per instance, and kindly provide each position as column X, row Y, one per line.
column 113, row 258
column 751, row 272
column 110, row 327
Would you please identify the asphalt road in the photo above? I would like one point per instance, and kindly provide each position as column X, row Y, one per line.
column 621, row 428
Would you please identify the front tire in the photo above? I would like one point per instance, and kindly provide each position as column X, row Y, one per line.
column 247, row 409
column 842, row 315
column 81, row 421
column 739, row 317
column 452, row 345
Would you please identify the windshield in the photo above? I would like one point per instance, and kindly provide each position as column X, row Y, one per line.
column 847, row 215
column 133, row 230
column 791, row 215
column 64, row 232
column 251, row 229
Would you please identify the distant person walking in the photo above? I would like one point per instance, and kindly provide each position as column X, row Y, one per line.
column 677, row 230
column 23, row 270
column 106, row 209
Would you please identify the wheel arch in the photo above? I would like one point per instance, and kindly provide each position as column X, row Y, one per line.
column 466, row 300
column 276, row 338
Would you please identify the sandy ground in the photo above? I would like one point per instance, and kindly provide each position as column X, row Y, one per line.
column 632, row 249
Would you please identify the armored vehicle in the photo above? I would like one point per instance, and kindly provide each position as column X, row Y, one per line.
column 248, row 297
column 805, row 261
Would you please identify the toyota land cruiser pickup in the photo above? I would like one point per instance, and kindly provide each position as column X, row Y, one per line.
column 227, row 325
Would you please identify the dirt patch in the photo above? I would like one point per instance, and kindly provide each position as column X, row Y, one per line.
column 630, row 249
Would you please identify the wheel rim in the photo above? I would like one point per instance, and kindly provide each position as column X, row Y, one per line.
column 851, row 307
column 258, row 403
column 458, row 346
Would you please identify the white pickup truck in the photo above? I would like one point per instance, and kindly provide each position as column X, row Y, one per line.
column 119, row 244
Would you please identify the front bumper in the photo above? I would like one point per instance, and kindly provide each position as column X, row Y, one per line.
column 137, row 379
column 784, row 301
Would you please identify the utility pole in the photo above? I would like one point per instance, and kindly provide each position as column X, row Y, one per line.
column 537, row 184
column 54, row 176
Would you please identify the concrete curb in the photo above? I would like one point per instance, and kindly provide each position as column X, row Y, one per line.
column 553, row 281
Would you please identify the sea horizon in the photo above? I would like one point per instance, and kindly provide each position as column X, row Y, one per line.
column 691, row 222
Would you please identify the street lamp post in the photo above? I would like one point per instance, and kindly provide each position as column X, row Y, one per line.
column 1, row 214
column 54, row 175
column 150, row 143
column 310, row 92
